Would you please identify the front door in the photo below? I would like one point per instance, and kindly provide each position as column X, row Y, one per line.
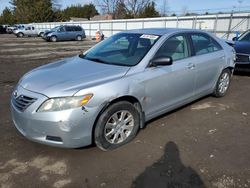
column 169, row 86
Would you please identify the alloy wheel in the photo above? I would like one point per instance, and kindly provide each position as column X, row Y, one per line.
column 119, row 127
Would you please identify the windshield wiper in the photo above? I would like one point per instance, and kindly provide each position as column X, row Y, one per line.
column 96, row 60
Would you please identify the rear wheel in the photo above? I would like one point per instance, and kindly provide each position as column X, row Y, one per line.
column 223, row 83
column 116, row 126
column 79, row 38
column 53, row 38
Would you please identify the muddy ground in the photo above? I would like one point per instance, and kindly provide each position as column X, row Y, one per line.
column 204, row 144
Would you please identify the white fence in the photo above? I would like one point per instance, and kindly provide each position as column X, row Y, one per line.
column 223, row 25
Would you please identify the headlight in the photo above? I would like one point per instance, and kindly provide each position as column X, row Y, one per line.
column 64, row 103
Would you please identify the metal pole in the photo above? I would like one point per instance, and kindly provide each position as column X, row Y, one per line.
column 90, row 29
column 111, row 27
column 194, row 22
column 230, row 24
column 215, row 24
column 248, row 21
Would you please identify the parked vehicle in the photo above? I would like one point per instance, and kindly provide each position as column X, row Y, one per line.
column 65, row 32
column 110, row 91
column 242, row 48
column 9, row 29
column 18, row 27
column 27, row 30
column 2, row 29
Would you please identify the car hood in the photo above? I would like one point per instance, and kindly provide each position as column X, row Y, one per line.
column 66, row 77
column 242, row 47
column 48, row 32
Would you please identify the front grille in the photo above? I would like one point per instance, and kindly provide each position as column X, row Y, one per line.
column 22, row 102
column 242, row 58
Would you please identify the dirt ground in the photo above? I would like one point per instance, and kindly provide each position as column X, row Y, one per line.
column 204, row 144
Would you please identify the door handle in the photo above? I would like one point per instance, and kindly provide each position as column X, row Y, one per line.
column 191, row 66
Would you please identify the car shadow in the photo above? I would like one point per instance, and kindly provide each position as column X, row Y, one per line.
column 168, row 172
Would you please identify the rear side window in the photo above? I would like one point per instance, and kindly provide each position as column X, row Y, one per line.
column 78, row 28
column 204, row 44
column 69, row 28
column 175, row 47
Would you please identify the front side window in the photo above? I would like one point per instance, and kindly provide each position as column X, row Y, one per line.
column 125, row 49
column 61, row 29
column 204, row 44
column 175, row 47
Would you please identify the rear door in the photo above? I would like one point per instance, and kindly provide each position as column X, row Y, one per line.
column 169, row 86
column 209, row 58
column 70, row 32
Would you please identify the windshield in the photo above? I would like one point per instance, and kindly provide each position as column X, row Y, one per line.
column 55, row 28
column 124, row 49
column 245, row 37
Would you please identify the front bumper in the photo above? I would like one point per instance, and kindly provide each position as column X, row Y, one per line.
column 242, row 66
column 69, row 128
column 45, row 37
column 242, row 62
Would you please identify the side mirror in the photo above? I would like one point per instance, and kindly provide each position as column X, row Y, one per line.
column 235, row 39
column 161, row 61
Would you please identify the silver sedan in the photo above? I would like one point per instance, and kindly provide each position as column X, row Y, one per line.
column 106, row 94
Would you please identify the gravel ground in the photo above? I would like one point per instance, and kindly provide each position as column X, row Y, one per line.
column 203, row 144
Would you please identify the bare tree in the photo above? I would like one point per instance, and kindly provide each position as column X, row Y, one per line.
column 165, row 8
column 108, row 6
column 184, row 10
column 132, row 8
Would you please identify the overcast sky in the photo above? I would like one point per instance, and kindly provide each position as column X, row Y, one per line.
column 173, row 5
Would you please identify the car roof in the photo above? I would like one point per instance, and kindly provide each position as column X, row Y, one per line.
column 159, row 31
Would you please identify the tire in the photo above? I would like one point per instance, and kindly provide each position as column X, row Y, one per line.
column 20, row 34
column 223, row 83
column 53, row 38
column 41, row 34
column 78, row 37
column 116, row 126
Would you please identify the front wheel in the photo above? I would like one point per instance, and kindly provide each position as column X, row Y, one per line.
column 223, row 83
column 116, row 126
column 41, row 34
column 53, row 38
column 20, row 34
